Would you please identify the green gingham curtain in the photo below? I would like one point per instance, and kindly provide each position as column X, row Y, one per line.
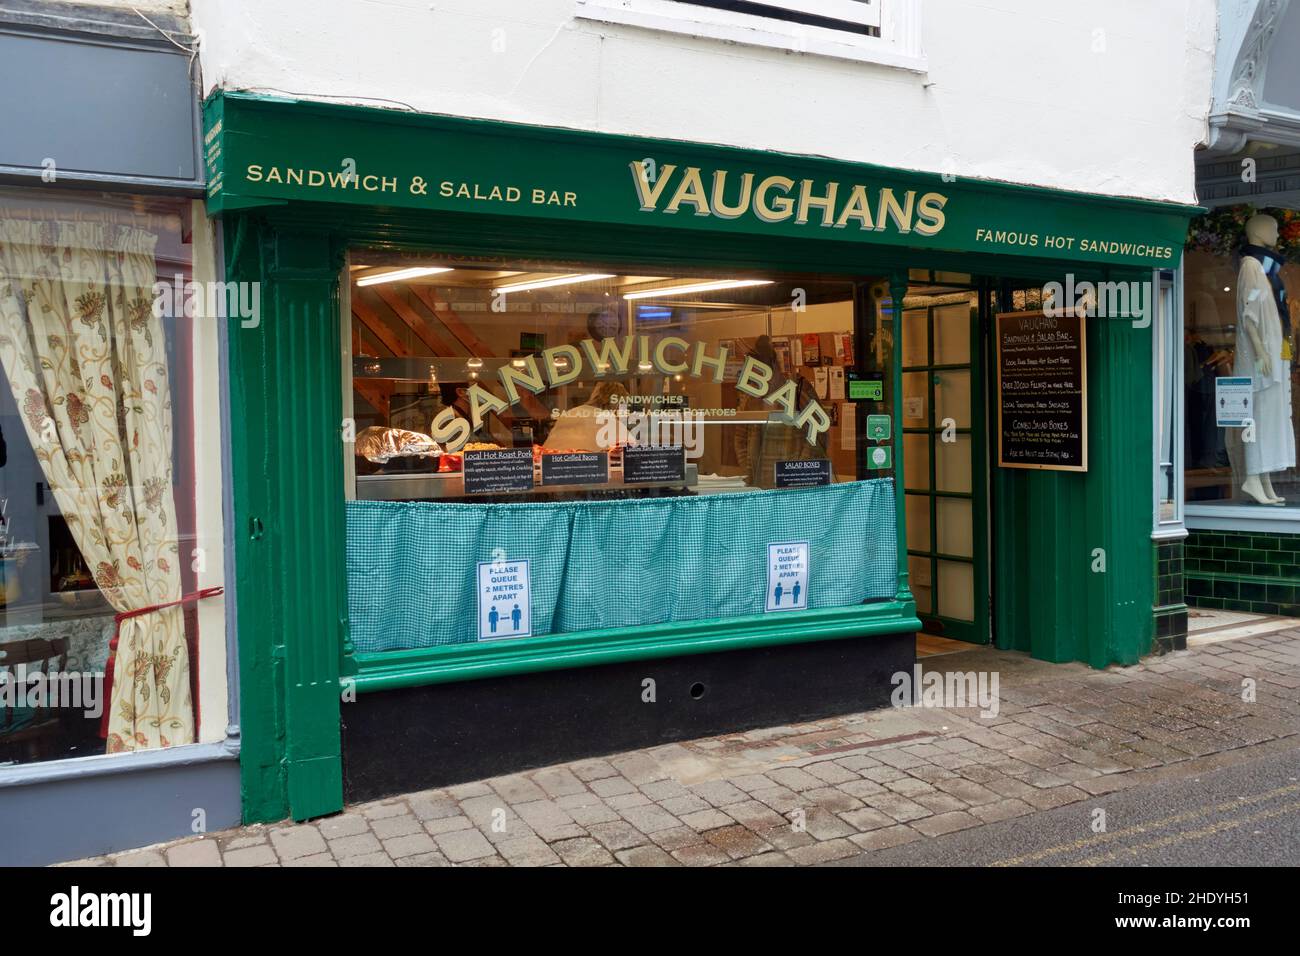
column 412, row 566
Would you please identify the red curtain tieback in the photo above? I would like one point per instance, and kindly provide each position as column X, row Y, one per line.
column 117, row 630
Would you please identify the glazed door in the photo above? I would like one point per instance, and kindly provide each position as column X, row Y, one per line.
column 944, row 464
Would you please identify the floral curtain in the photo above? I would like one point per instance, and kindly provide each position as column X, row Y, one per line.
column 86, row 359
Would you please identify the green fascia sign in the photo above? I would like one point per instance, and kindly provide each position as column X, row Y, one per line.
column 264, row 152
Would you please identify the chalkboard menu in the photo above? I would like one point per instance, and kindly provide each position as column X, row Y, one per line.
column 645, row 463
column 1042, row 392
column 576, row 468
column 504, row 469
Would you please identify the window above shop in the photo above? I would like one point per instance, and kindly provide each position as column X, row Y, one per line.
column 874, row 31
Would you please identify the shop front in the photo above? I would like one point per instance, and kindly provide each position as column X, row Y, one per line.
column 117, row 722
column 1234, row 385
column 553, row 443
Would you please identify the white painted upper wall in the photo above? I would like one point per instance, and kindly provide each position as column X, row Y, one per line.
column 1108, row 96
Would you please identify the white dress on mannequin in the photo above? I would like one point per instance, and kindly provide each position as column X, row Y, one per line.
column 1274, row 446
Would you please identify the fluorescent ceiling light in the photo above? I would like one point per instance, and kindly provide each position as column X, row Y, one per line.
column 549, row 283
column 697, row 287
column 400, row 274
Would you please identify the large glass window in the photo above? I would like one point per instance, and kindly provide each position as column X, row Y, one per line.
column 103, row 543
column 1242, row 305
column 620, row 383
column 543, row 448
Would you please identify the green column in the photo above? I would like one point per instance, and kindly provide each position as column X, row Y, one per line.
column 288, row 530
column 897, row 291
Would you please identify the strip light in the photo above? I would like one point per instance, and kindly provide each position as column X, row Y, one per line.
column 399, row 274
column 697, row 287
column 551, row 283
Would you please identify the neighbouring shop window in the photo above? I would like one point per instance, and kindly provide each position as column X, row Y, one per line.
column 611, row 447
column 98, row 628
column 1242, row 305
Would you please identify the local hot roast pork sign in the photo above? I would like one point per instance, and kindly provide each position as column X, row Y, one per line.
column 1042, row 391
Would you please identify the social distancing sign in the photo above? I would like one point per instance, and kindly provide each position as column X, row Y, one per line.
column 787, row 576
column 504, row 600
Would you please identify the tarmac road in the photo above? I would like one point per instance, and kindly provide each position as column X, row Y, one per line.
column 1245, row 814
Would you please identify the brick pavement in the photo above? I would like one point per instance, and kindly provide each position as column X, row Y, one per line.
column 818, row 791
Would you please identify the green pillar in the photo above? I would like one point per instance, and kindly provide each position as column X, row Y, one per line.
column 897, row 291
column 287, row 476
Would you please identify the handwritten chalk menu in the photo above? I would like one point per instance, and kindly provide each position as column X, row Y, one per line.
column 502, row 469
column 803, row 473
column 1042, row 392
column 576, row 468
column 645, row 463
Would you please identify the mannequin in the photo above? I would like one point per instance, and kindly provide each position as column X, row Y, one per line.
column 1264, row 354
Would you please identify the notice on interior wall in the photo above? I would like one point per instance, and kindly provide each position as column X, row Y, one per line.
column 1042, row 397
column 821, row 382
column 812, row 349
column 1234, row 401
column 849, row 427
column 837, row 383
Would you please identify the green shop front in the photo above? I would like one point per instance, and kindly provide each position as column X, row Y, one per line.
column 548, row 444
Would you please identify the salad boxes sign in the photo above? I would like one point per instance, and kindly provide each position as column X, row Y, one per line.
column 1042, row 391
column 804, row 473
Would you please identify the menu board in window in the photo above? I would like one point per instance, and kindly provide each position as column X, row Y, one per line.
column 1042, row 391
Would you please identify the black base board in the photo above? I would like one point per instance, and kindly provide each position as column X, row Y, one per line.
column 416, row 738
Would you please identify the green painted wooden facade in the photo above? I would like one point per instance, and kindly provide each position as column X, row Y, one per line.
column 286, row 387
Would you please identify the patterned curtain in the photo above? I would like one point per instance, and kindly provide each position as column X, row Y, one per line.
column 86, row 360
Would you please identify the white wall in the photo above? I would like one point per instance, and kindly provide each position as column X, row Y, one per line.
column 1108, row 96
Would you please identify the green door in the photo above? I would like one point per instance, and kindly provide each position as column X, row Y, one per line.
column 944, row 461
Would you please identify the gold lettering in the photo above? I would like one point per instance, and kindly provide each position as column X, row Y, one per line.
column 479, row 399
column 646, row 193
column 701, row 359
column 889, row 207
column 779, row 209
column 929, row 212
column 530, row 377
column 608, row 355
column 825, row 203
column 858, row 207
column 690, row 190
column 720, row 207
column 754, row 377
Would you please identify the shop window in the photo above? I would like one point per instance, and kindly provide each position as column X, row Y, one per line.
column 1241, row 309
column 99, row 637
column 490, row 385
